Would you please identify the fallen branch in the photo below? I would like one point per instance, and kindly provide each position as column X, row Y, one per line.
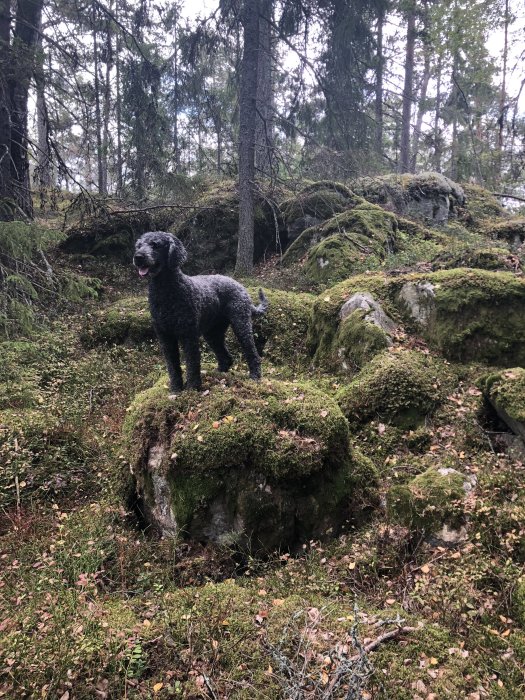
column 158, row 206
column 386, row 637
column 510, row 196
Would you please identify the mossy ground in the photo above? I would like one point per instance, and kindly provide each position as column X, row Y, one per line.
column 92, row 606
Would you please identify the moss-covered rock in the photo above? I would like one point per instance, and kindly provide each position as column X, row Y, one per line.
column 481, row 258
column 429, row 197
column 510, row 230
column 401, row 388
column 127, row 321
column 505, row 391
column 480, row 205
column 433, row 503
column 466, row 314
column 367, row 229
column 315, row 203
column 267, row 462
column 114, row 235
column 210, row 233
column 281, row 333
column 518, row 603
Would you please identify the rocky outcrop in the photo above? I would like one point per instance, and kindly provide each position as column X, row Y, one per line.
column 266, row 464
column 464, row 314
column 429, row 197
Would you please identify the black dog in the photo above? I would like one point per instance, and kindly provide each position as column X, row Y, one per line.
column 184, row 308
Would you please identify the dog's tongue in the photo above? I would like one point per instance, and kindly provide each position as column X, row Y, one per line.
column 143, row 271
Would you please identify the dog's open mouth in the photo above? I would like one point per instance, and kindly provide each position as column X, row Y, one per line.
column 143, row 271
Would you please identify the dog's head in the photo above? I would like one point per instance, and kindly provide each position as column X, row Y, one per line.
column 155, row 251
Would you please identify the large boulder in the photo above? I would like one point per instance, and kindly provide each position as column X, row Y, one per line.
column 269, row 463
column 210, row 232
column 314, row 204
column 429, row 197
column 465, row 314
column 401, row 388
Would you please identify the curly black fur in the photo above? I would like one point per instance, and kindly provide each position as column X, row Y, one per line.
column 183, row 308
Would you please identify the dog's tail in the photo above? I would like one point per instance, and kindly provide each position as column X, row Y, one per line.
column 261, row 308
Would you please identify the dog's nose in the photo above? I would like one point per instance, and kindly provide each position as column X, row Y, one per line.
column 139, row 259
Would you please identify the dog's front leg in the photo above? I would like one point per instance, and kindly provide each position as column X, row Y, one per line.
column 170, row 348
column 192, row 355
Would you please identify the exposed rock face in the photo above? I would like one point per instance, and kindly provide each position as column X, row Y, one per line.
column 374, row 311
column 505, row 391
column 433, row 503
column 419, row 298
column 269, row 464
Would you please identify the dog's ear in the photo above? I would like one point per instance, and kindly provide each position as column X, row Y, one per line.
column 177, row 254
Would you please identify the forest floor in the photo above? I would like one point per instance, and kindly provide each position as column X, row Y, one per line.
column 94, row 606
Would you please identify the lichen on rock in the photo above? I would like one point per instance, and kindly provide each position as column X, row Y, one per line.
column 267, row 463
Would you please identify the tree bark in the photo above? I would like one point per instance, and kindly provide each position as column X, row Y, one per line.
column 5, row 122
column 503, row 96
column 98, row 113
column 408, row 89
column 264, row 118
column 421, row 107
column 378, row 104
column 247, row 121
column 437, row 117
column 118, row 108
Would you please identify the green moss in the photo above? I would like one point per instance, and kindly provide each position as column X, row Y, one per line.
column 400, row 388
column 282, row 331
column 429, row 501
column 41, row 456
column 320, row 200
column 18, row 374
column 366, row 227
column 511, row 230
column 506, row 392
column 473, row 314
column 333, row 259
column 483, row 258
column 291, row 437
column 356, row 342
column 127, row 321
column 518, row 603
column 480, row 205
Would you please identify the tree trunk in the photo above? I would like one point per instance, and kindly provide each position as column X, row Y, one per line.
column 5, row 122
column 118, row 108
column 503, row 97
column 176, row 146
column 28, row 17
column 98, row 114
column 437, row 117
column 408, row 97
column 107, row 107
column 378, row 105
column 247, row 120
column 421, row 108
column 264, row 118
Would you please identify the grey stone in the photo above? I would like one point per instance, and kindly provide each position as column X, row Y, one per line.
column 375, row 315
column 419, row 299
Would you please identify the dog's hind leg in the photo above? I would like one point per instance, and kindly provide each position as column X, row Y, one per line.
column 215, row 339
column 242, row 327
column 170, row 348
column 192, row 355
